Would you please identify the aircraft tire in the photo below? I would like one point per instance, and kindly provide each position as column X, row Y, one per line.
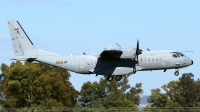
column 110, row 77
column 118, row 77
column 176, row 73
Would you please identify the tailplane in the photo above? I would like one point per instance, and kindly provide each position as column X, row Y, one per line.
column 22, row 45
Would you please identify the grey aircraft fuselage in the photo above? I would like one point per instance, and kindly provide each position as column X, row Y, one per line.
column 150, row 60
column 113, row 61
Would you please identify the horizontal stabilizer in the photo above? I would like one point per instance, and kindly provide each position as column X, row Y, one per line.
column 23, row 58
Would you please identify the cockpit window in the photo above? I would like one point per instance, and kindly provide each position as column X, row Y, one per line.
column 174, row 56
column 177, row 55
column 180, row 54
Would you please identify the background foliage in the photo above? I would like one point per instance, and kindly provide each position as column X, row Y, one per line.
column 29, row 85
column 25, row 87
column 104, row 94
column 183, row 94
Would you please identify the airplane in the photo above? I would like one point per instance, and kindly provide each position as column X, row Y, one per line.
column 114, row 62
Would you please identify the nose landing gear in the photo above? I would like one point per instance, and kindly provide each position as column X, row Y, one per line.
column 176, row 73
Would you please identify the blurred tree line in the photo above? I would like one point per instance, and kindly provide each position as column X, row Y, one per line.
column 110, row 95
column 37, row 85
column 182, row 95
column 41, row 87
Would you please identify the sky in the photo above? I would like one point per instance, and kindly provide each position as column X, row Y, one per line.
column 75, row 26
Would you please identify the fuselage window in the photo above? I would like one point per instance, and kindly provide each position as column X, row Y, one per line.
column 174, row 56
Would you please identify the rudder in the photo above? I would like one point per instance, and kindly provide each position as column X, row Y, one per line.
column 22, row 45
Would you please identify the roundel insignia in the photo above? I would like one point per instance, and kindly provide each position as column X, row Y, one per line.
column 61, row 62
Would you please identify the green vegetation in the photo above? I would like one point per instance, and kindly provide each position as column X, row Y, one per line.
column 37, row 85
column 41, row 87
column 109, row 95
column 181, row 95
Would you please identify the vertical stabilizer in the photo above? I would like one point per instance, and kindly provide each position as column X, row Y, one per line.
column 22, row 45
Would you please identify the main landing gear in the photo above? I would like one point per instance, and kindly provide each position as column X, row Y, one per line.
column 176, row 73
column 116, row 77
column 110, row 77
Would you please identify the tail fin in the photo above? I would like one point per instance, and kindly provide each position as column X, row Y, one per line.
column 22, row 45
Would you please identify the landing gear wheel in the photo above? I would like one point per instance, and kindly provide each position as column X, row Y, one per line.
column 110, row 77
column 176, row 73
column 118, row 77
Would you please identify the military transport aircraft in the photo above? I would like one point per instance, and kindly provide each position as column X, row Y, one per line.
column 114, row 61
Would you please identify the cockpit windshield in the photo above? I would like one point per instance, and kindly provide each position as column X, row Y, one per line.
column 180, row 54
column 177, row 54
column 174, row 55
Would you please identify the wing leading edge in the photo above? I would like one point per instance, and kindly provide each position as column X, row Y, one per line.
column 112, row 51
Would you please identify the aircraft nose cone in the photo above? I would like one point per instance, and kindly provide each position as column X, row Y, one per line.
column 192, row 62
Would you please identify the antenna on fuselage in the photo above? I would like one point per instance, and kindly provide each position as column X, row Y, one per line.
column 84, row 53
column 148, row 49
column 186, row 51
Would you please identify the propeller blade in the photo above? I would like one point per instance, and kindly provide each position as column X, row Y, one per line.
column 138, row 51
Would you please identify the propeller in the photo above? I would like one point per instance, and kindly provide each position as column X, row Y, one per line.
column 138, row 50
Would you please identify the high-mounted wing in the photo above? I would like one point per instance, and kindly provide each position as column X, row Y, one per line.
column 112, row 51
